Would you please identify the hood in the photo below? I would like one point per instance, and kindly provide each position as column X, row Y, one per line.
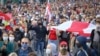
column 82, row 40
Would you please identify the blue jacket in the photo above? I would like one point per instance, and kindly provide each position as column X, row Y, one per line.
column 81, row 53
column 21, row 52
column 82, row 40
column 93, row 52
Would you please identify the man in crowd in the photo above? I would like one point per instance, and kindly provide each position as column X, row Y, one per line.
column 82, row 47
column 41, row 32
column 25, row 49
column 95, row 35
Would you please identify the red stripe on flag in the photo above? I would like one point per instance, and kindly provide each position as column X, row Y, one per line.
column 48, row 12
column 78, row 26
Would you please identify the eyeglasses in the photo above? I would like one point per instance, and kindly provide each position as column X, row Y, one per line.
column 24, row 42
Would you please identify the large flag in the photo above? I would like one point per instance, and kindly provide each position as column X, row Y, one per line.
column 9, row 15
column 48, row 11
column 82, row 28
column 4, row 16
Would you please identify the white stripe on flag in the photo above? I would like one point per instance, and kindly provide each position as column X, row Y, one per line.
column 64, row 26
column 48, row 12
column 89, row 28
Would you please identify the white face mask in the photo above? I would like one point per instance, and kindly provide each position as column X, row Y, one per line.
column 5, row 38
column 25, row 34
column 98, row 28
column 11, row 39
column 21, row 29
column 41, row 15
column 48, row 51
column 88, row 44
column 57, row 17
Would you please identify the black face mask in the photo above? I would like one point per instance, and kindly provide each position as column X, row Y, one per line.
column 17, row 29
column 78, row 45
column 40, row 24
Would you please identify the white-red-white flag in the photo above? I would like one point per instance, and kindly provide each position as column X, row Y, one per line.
column 48, row 12
column 82, row 28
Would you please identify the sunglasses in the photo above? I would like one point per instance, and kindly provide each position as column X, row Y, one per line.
column 24, row 42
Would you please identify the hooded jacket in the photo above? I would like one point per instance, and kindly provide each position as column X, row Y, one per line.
column 85, row 50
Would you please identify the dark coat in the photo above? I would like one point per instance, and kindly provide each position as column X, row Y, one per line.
column 18, row 35
column 41, row 33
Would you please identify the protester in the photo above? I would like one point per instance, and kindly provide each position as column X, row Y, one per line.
column 24, row 50
column 3, row 45
column 13, row 46
column 18, row 35
column 52, row 36
column 91, row 48
column 41, row 32
column 32, row 34
column 63, row 49
column 82, row 47
column 95, row 35
column 51, row 49
column 8, row 45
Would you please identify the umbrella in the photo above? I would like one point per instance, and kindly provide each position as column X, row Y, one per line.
column 4, row 16
column 82, row 28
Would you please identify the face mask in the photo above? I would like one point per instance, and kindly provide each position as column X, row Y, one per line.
column 98, row 28
column 57, row 17
column 48, row 51
column 24, row 46
column 25, row 34
column 64, row 51
column 17, row 29
column 88, row 44
column 11, row 39
column 21, row 29
column 41, row 15
column 39, row 23
column 5, row 38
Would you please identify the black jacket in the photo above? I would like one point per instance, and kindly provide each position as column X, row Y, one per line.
column 18, row 35
column 41, row 33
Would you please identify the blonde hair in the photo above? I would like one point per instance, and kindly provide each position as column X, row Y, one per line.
column 13, row 54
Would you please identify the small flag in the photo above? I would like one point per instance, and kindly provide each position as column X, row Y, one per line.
column 48, row 12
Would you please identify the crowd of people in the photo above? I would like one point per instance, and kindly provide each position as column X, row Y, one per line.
column 29, row 33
